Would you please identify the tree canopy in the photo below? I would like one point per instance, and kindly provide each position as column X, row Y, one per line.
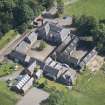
column 85, row 24
column 59, row 98
column 99, row 37
column 17, row 13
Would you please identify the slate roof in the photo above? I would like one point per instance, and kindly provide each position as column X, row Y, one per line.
column 32, row 37
column 50, row 12
column 22, row 47
column 22, row 82
column 27, row 85
column 66, row 21
column 31, row 67
column 87, row 58
column 50, row 31
column 56, row 70
column 71, row 46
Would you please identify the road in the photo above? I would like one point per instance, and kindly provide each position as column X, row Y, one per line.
column 8, row 48
column 33, row 97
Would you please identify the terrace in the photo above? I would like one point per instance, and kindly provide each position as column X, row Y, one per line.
column 40, row 55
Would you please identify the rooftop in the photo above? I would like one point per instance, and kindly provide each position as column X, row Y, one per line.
column 78, row 54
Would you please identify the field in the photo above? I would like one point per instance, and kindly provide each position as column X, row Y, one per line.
column 6, row 96
column 90, row 89
column 7, row 38
column 94, row 8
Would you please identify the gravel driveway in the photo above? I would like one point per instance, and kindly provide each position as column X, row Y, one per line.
column 33, row 97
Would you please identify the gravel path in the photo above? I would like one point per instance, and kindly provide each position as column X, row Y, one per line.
column 70, row 2
column 33, row 97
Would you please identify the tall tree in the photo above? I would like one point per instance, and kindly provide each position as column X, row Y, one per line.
column 99, row 37
column 85, row 24
column 23, row 13
column 47, row 3
column 60, row 98
column 60, row 6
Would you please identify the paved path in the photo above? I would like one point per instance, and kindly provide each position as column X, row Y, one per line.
column 13, row 76
column 70, row 2
column 33, row 97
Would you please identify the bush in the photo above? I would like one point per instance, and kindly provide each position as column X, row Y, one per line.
column 6, row 69
column 41, row 46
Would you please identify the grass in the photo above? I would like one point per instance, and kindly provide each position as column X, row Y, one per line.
column 94, row 8
column 6, row 68
column 51, row 85
column 7, row 38
column 90, row 89
column 6, row 96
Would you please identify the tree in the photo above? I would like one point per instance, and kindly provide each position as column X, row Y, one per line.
column 22, row 28
column 60, row 98
column 36, row 7
column 16, row 14
column 85, row 24
column 41, row 46
column 47, row 3
column 5, row 22
column 23, row 13
column 99, row 37
column 60, row 6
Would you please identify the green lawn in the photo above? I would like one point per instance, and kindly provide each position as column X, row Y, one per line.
column 6, row 96
column 52, row 85
column 90, row 89
column 7, row 38
column 6, row 68
column 94, row 8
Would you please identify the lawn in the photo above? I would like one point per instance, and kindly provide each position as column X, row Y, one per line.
column 6, row 96
column 90, row 89
column 7, row 38
column 6, row 68
column 52, row 85
column 94, row 8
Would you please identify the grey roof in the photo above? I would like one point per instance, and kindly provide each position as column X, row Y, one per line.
column 66, row 21
column 31, row 67
column 87, row 58
column 22, row 47
column 54, row 69
column 39, row 73
column 27, row 85
column 27, row 58
column 51, row 31
column 26, row 43
column 22, row 82
column 71, row 73
column 60, row 22
column 32, row 37
column 53, row 27
column 71, row 46
column 53, row 64
column 51, row 11
column 64, row 33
